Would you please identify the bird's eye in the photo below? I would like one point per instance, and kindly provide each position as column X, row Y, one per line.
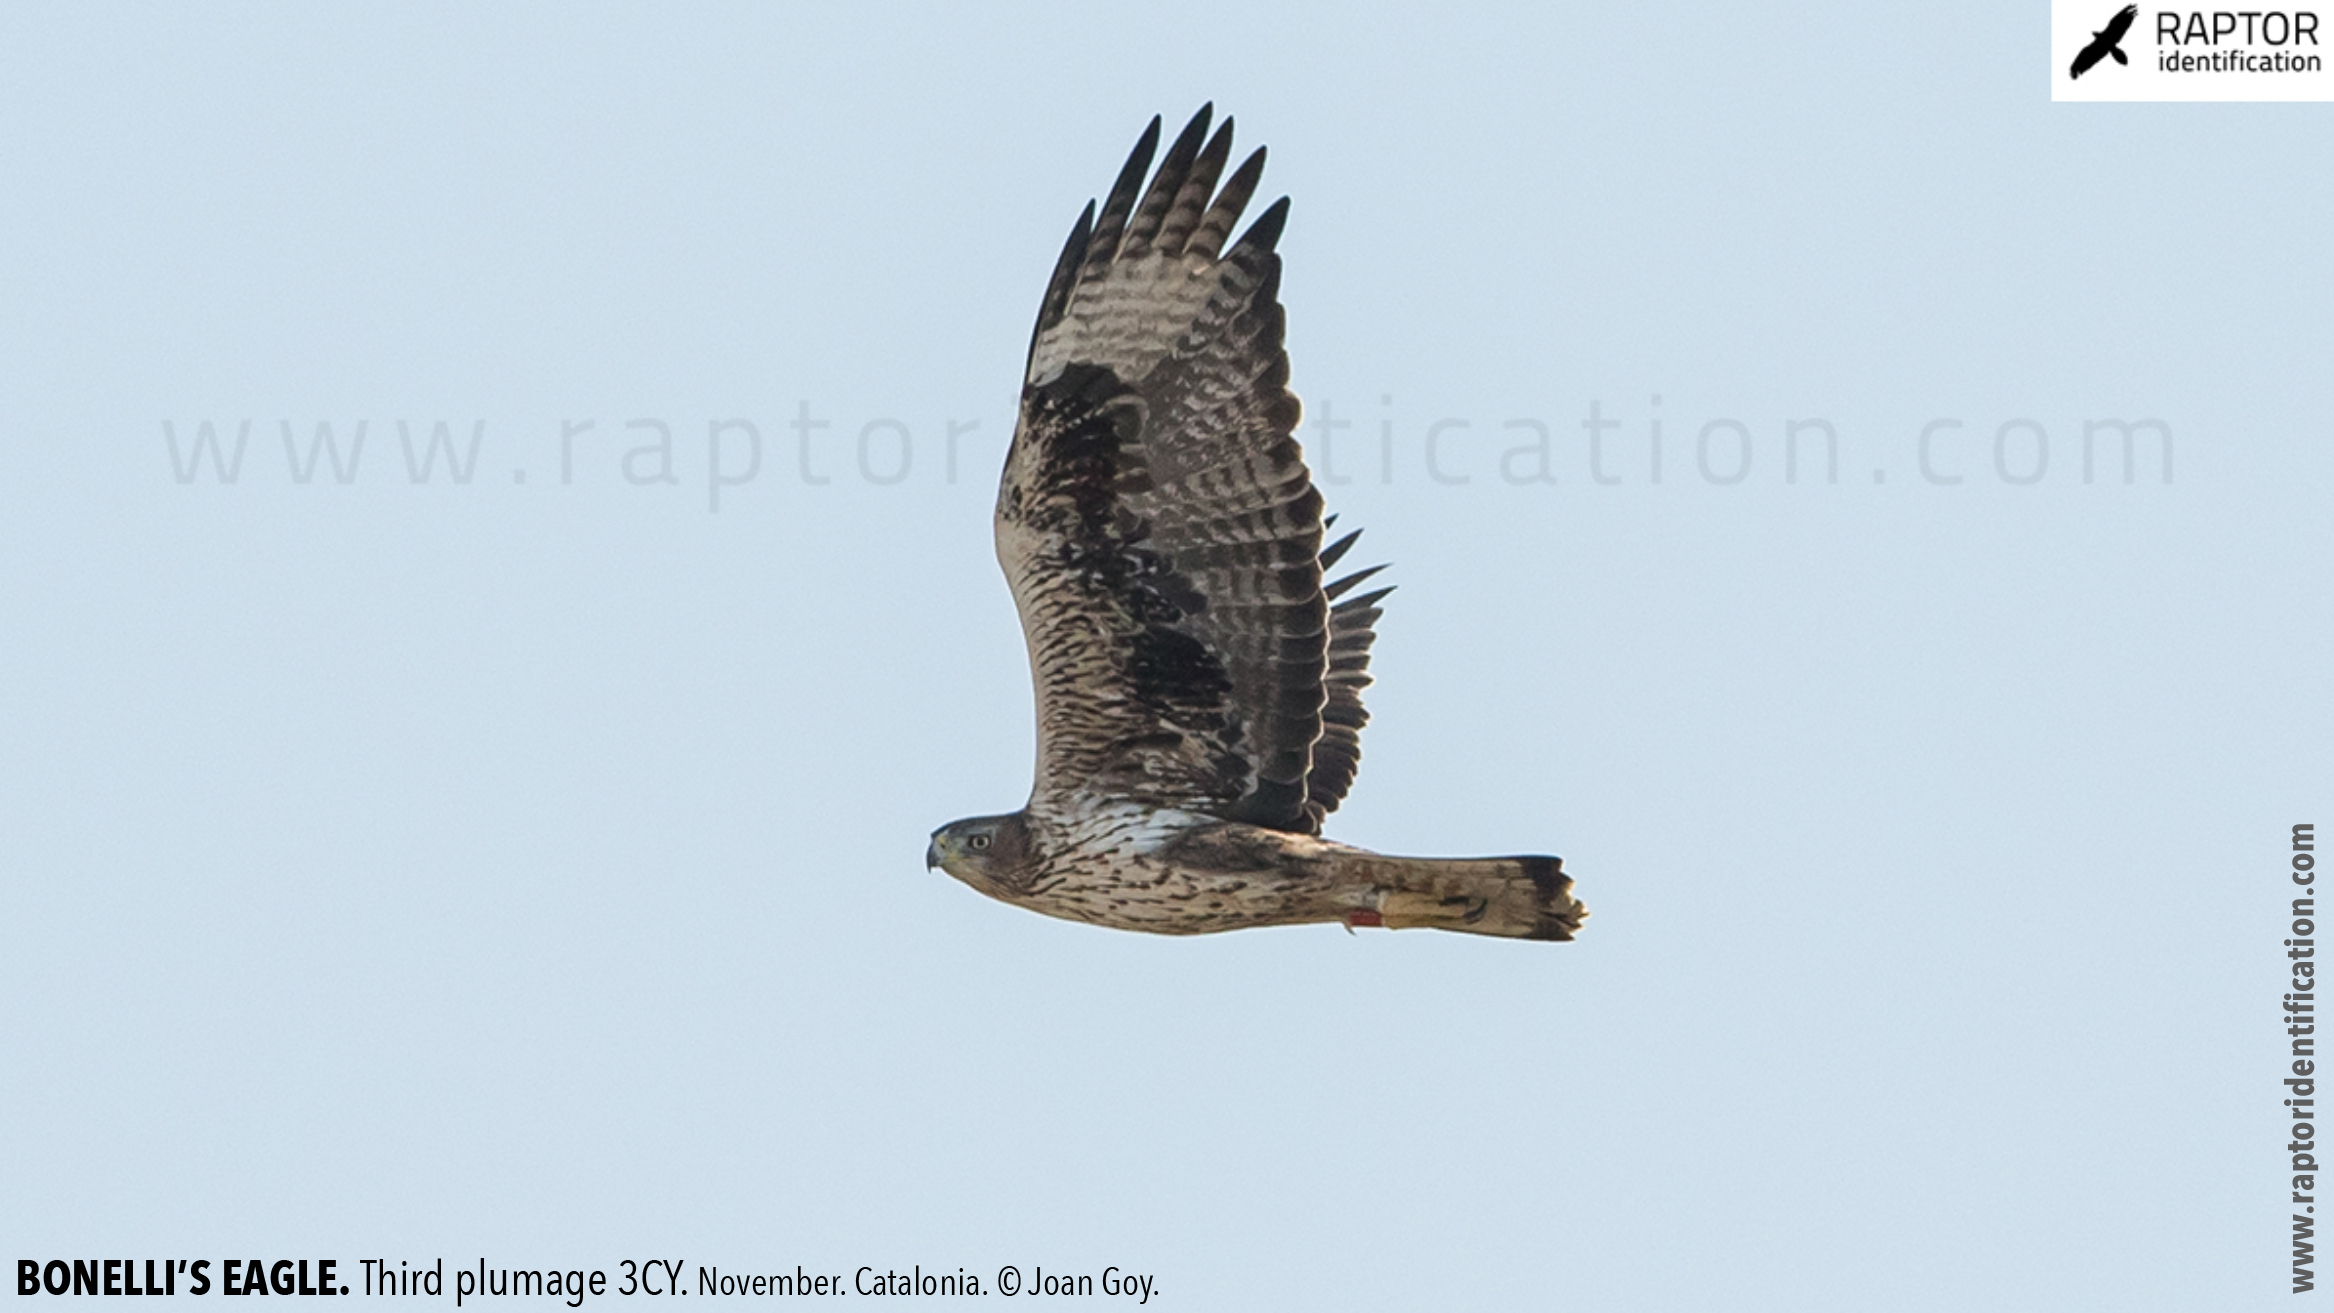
column 978, row 843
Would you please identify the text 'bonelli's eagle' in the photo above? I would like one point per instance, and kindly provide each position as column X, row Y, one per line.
column 1198, row 684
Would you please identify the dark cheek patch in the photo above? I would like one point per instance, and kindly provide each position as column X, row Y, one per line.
column 1010, row 850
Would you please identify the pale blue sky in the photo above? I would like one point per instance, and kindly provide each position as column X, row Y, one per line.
column 531, row 869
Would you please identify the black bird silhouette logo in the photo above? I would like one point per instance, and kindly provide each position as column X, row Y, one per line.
column 2107, row 41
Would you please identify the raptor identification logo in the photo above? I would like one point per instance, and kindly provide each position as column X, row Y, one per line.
column 2100, row 50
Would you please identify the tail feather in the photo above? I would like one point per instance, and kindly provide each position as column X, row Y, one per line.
column 1511, row 897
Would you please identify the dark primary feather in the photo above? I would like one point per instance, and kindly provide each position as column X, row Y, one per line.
column 1165, row 186
column 1217, row 223
column 1121, row 201
column 1156, row 520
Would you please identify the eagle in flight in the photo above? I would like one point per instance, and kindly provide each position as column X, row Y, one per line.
column 2107, row 41
column 1198, row 683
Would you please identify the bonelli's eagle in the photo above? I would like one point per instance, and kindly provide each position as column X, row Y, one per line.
column 1198, row 684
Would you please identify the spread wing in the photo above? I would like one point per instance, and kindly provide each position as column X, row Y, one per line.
column 2086, row 57
column 1352, row 629
column 1156, row 521
column 2120, row 24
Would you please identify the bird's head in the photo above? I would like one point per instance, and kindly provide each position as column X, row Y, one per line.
column 990, row 853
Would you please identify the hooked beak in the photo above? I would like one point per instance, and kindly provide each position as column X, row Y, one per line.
column 932, row 855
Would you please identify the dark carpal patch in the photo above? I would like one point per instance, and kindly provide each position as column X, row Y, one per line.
column 1085, row 415
column 1088, row 425
column 1093, row 422
column 1174, row 671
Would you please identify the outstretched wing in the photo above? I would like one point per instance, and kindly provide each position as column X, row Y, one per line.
column 2120, row 24
column 1352, row 630
column 1156, row 521
column 2086, row 57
